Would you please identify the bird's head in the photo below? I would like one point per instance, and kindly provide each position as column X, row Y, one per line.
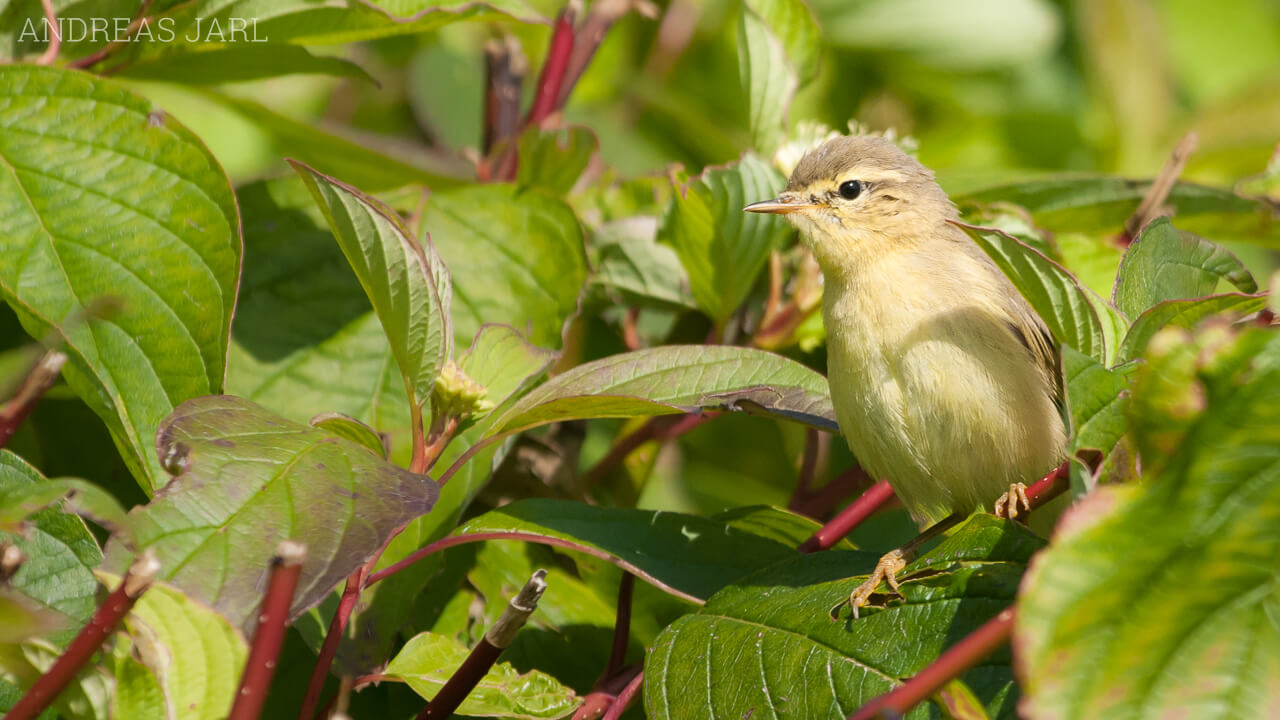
column 860, row 194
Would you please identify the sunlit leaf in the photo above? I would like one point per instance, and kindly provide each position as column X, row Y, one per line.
column 1159, row 599
column 428, row 660
column 406, row 282
column 1165, row 263
column 772, row 629
column 778, row 47
column 1184, row 314
column 105, row 196
column 677, row 379
column 722, row 248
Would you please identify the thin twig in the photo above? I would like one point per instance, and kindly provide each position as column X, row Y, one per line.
column 497, row 638
column 268, row 637
column 139, row 19
column 953, row 663
column 41, row 377
column 630, row 331
column 1053, row 484
column 55, row 34
column 658, row 428
column 507, row 65
column 77, row 655
column 602, row 16
column 851, row 517
column 1153, row 203
column 350, row 594
column 605, row 693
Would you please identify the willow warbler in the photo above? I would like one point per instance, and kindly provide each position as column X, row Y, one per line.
column 945, row 382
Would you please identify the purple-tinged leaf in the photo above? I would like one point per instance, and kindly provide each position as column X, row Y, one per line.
column 247, row 479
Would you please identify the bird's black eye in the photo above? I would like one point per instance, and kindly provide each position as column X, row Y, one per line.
column 850, row 189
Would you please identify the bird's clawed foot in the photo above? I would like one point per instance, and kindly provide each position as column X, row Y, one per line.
column 1006, row 505
column 886, row 570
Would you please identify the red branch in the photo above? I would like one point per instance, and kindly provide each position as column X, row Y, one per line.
column 118, row 604
column 506, row 65
column 347, row 604
column 268, row 637
column 553, row 69
column 55, row 34
column 498, row 638
column 625, row 698
column 605, row 693
column 621, row 626
column 953, row 663
column 849, row 518
column 38, row 381
column 1056, row 482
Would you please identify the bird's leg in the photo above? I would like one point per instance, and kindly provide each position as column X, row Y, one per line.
column 894, row 561
column 1007, row 504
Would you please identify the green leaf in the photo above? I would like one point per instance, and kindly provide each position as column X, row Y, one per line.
column 104, row 195
column 194, row 653
column 789, row 528
column 677, row 379
column 686, row 555
column 428, row 660
column 766, row 641
column 137, row 692
column 1165, row 263
column 1101, row 204
column 1184, row 314
column 248, row 479
column 554, row 159
column 407, row 284
column 778, row 49
column 306, row 340
column 1159, row 599
column 1075, row 315
column 722, row 248
column 503, row 362
column 241, row 63
column 1097, row 400
column 83, row 498
column 631, row 264
column 61, row 552
column 516, row 257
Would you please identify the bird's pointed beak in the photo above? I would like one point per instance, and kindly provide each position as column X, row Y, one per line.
column 781, row 205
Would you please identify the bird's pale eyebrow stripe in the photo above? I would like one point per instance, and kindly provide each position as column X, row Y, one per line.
column 872, row 176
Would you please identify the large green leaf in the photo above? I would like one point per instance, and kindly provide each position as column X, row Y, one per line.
column 778, row 46
column 248, row 479
column 1184, row 314
column 765, row 643
column 686, row 555
column 554, row 159
column 1159, row 600
column 407, row 283
column 1101, row 204
column 1165, row 263
column 428, row 660
column 677, row 379
column 516, row 257
column 1074, row 314
column 104, row 195
column 722, row 248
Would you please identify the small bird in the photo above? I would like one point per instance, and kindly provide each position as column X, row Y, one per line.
column 945, row 382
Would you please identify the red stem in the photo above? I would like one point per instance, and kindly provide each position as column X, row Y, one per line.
column 849, row 518
column 55, row 35
column 1056, row 482
column 90, row 639
column 625, row 698
column 605, row 693
column 658, row 428
column 268, row 637
column 621, row 626
column 953, row 663
column 553, row 70
column 41, row 377
column 347, row 604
